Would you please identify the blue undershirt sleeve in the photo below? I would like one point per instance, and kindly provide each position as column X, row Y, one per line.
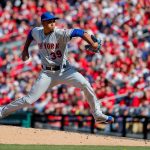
column 77, row 33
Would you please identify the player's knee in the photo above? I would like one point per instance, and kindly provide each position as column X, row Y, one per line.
column 87, row 88
column 86, row 85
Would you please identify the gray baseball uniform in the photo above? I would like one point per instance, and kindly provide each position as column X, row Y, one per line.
column 53, row 53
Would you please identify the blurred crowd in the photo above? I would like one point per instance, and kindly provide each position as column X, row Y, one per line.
column 120, row 74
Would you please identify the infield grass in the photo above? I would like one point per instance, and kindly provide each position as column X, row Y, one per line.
column 61, row 147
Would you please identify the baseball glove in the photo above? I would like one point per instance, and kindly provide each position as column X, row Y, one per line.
column 90, row 48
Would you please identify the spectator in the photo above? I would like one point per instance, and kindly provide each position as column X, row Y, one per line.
column 123, row 67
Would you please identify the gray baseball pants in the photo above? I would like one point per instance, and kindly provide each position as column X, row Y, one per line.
column 48, row 79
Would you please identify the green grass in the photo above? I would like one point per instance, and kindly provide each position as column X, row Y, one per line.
column 56, row 147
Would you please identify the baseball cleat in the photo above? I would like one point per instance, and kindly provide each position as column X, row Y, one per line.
column 102, row 118
column 1, row 107
column 1, row 110
column 109, row 120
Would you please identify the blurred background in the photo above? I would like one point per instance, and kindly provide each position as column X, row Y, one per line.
column 120, row 75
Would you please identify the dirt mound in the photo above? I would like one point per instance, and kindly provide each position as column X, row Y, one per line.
column 19, row 135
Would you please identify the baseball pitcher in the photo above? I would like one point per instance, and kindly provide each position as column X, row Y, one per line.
column 56, row 69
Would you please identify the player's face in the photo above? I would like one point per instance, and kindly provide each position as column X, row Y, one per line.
column 48, row 25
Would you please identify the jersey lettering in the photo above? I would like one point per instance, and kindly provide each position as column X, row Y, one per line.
column 49, row 46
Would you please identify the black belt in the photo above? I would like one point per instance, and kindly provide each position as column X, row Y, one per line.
column 53, row 68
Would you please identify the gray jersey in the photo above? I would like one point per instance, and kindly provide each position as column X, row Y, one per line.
column 52, row 47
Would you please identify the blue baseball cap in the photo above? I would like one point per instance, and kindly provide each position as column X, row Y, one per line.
column 48, row 16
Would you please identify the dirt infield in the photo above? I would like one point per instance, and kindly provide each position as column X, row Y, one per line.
column 19, row 135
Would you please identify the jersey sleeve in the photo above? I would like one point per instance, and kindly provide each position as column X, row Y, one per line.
column 35, row 33
column 65, row 34
column 32, row 33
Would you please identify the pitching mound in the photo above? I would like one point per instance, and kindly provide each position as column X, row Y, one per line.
column 19, row 135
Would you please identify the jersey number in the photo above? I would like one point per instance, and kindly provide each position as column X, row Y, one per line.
column 55, row 55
